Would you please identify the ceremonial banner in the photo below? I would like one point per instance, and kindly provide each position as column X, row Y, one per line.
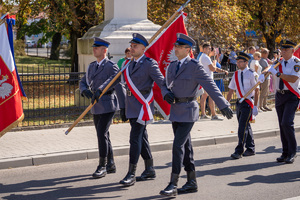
column 162, row 50
column 297, row 53
column 11, row 111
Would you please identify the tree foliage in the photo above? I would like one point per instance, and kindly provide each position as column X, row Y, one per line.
column 220, row 22
column 274, row 18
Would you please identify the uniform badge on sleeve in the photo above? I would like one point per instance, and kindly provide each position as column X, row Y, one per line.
column 296, row 68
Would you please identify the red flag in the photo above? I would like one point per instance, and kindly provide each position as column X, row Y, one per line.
column 11, row 111
column 297, row 53
column 162, row 50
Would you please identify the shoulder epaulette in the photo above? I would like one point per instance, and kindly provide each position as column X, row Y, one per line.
column 194, row 60
column 251, row 70
column 297, row 60
column 151, row 60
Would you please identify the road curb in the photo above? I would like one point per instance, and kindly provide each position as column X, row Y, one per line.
column 121, row 150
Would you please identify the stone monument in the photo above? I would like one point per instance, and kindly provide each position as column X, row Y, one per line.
column 122, row 18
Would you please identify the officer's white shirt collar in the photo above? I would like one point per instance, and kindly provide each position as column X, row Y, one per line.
column 289, row 60
column 139, row 58
column 182, row 60
column 99, row 63
column 244, row 70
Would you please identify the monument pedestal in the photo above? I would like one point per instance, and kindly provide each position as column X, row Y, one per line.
column 122, row 18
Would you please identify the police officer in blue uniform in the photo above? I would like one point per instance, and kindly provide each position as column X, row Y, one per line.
column 246, row 80
column 142, row 71
column 287, row 84
column 183, row 78
column 103, row 111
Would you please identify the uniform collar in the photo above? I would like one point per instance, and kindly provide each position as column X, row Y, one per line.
column 289, row 60
column 246, row 69
column 183, row 59
column 99, row 63
column 139, row 58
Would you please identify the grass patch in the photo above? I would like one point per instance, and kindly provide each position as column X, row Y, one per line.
column 30, row 64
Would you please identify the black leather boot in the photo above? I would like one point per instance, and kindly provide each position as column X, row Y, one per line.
column 148, row 173
column 171, row 189
column 101, row 169
column 110, row 167
column 190, row 185
column 129, row 179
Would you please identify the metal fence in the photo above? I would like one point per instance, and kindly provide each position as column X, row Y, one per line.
column 53, row 96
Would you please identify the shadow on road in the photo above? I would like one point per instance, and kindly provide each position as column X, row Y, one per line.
column 271, row 179
column 49, row 189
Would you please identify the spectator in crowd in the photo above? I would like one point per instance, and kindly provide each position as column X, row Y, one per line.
column 224, row 60
column 251, row 51
column 254, row 65
column 201, row 51
column 127, row 56
column 209, row 67
column 264, row 87
column 213, row 57
column 232, row 60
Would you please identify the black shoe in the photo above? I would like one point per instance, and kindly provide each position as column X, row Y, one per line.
column 101, row 169
column 282, row 158
column 290, row 159
column 190, row 185
column 171, row 189
column 248, row 153
column 148, row 173
column 236, row 156
column 111, row 168
column 129, row 179
column 100, row 172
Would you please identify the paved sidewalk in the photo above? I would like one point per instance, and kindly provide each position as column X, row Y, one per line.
column 36, row 147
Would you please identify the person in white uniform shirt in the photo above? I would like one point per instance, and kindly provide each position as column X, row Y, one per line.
column 287, row 83
column 242, row 81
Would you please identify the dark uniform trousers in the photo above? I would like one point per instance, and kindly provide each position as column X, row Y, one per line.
column 182, row 147
column 243, row 113
column 286, row 106
column 102, row 123
column 139, row 144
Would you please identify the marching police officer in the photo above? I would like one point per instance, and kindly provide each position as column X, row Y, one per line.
column 103, row 111
column 287, row 99
column 140, row 76
column 183, row 77
column 242, row 81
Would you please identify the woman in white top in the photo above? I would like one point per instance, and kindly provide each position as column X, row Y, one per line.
column 254, row 65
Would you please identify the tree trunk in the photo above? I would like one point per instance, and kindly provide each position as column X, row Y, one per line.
column 270, row 40
column 74, row 57
column 55, row 46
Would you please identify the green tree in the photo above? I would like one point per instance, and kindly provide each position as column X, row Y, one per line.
column 273, row 19
column 220, row 22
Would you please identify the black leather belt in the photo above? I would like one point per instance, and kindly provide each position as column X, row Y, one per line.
column 143, row 92
column 184, row 99
column 284, row 91
column 238, row 99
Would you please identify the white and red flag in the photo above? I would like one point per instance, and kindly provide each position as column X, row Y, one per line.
column 162, row 50
column 11, row 111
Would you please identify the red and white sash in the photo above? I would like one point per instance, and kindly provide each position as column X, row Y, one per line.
column 295, row 91
column 242, row 93
column 145, row 116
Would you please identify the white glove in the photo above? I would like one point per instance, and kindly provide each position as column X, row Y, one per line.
column 255, row 111
column 272, row 70
column 261, row 78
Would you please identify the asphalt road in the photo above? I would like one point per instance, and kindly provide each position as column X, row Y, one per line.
column 219, row 177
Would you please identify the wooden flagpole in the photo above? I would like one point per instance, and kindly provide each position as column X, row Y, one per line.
column 166, row 24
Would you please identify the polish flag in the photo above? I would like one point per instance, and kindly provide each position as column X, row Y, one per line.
column 11, row 111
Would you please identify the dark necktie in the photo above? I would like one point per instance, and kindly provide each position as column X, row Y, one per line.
column 281, row 85
column 97, row 67
column 134, row 63
column 177, row 67
column 242, row 79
